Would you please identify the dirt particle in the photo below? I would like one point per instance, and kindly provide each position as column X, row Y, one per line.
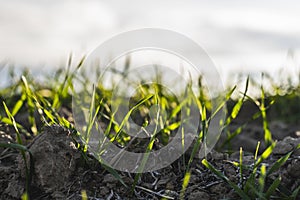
column 219, row 189
column 294, row 168
column 198, row 195
column 282, row 148
column 110, row 181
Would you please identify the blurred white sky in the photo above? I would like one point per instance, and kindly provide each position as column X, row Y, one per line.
column 249, row 35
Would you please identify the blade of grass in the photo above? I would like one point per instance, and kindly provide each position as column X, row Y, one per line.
column 18, row 105
column 149, row 148
column 272, row 188
column 238, row 190
column 256, row 150
column 84, row 195
column 265, row 155
column 262, row 178
column 128, row 115
column 31, row 107
column 237, row 107
column 267, row 132
column 295, row 193
column 185, row 184
column 241, row 166
column 278, row 163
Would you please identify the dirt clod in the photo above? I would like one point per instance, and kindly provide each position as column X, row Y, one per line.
column 198, row 195
column 282, row 148
column 294, row 168
column 55, row 157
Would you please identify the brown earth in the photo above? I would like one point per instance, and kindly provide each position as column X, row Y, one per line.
column 61, row 171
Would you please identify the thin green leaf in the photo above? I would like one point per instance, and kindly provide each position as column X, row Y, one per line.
column 265, row 155
column 239, row 191
column 278, row 163
column 261, row 179
column 185, row 183
column 18, row 105
column 236, row 108
column 11, row 118
column 273, row 187
column 295, row 193
column 129, row 113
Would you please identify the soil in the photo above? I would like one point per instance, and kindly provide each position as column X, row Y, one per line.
column 61, row 171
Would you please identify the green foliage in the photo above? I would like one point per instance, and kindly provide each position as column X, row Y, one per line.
column 42, row 103
column 252, row 187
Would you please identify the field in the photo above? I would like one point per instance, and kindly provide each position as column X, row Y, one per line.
column 43, row 155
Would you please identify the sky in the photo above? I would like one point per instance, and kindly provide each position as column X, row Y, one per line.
column 239, row 36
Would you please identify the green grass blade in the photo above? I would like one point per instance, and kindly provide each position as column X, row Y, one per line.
column 84, row 195
column 265, row 155
column 25, row 196
column 233, row 135
column 14, row 146
column 18, row 105
column 256, row 150
column 267, row 132
column 273, row 187
column 241, row 165
column 49, row 115
column 31, row 106
column 185, row 184
column 295, row 193
column 92, row 116
column 222, row 104
column 278, row 163
column 13, row 122
column 262, row 178
column 236, row 108
column 238, row 190
column 147, row 153
column 129, row 113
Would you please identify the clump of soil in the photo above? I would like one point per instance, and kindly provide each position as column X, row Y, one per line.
column 55, row 157
column 62, row 172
